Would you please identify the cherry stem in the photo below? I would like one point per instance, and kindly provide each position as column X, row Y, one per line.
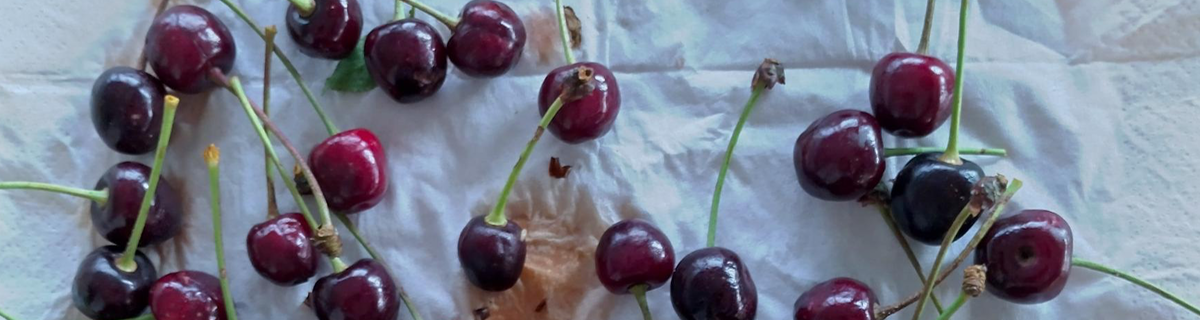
column 923, row 46
column 304, row 7
column 958, row 303
column 639, row 293
column 1135, row 280
column 287, row 63
column 449, row 21
column 412, row 309
column 6, row 316
column 399, row 13
column 951, row 154
column 886, row 213
column 126, row 262
column 737, row 131
column 496, row 218
column 895, row 152
column 98, row 196
column 562, row 31
column 272, row 205
column 212, row 157
column 162, row 6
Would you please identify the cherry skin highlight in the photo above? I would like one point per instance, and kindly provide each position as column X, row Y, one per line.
column 712, row 283
column 634, row 252
column 492, row 257
column 407, row 59
column 351, row 170
column 911, row 94
column 184, row 43
column 839, row 157
column 127, row 109
column 364, row 291
column 330, row 32
column 837, row 299
column 1028, row 256
column 488, row 40
column 589, row 117
column 928, row 194
column 102, row 292
column 282, row 251
column 187, row 295
column 127, row 183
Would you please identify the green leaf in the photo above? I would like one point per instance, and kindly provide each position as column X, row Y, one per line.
column 351, row 73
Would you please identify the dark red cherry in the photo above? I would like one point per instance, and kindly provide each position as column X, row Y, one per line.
column 928, row 194
column 492, row 256
column 1028, row 256
column 837, row 299
column 331, row 31
column 633, row 252
column 364, row 291
column 103, row 292
column 911, row 93
column 351, row 170
column 281, row 249
column 407, row 59
column 488, row 40
column 184, row 43
column 713, row 284
column 127, row 106
column 187, row 295
column 127, row 183
column 840, row 156
column 589, row 117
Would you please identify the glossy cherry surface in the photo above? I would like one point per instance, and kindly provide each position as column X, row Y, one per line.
column 103, row 292
column 351, row 170
column 364, row 291
column 837, row 299
column 187, row 295
column 184, row 43
column 634, row 252
column 282, row 251
column 589, row 117
column 127, row 106
column 407, row 59
column 488, row 40
column 331, row 31
column 713, row 284
column 911, row 94
column 928, row 194
column 492, row 256
column 839, row 157
column 127, row 183
column 1028, row 256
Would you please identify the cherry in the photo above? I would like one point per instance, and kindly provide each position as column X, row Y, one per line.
column 184, row 43
column 330, row 30
column 634, row 252
column 1027, row 255
column 839, row 157
column 589, row 117
column 127, row 106
column 911, row 94
column 127, row 183
column 101, row 291
column 351, row 170
column 929, row 193
column 364, row 291
column 187, row 295
column 282, row 251
column 492, row 256
column 837, row 299
column 488, row 39
column 407, row 59
column 712, row 283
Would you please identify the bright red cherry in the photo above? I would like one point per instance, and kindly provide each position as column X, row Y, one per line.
column 1028, row 256
column 911, row 94
column 634, row 252
column 364, row 291
column 331, row 31
column 488, row 40
column 840, row 156
column 184, row 43
column 837, row 299
column 282, row 251
column 351, row 170
column 187, row 295
column 127, row 106
column 589, row 117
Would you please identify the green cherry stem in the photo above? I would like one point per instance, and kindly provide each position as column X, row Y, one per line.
column 6, row 316
column 287, row 63
column 896, row 152
column 272, row 205
column 563, row 33
column 212, row 157
column 886, row 213
column 1135, row 280
column 412, row 309
column 951, row 154
column 958, row 303
column 449, row 21
column 399, row 13
column 496, row 217
column 737, row 132
column 126, row 263
column 639, row 293
column 98, row 196
column 304, row 7
column 923, row 46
